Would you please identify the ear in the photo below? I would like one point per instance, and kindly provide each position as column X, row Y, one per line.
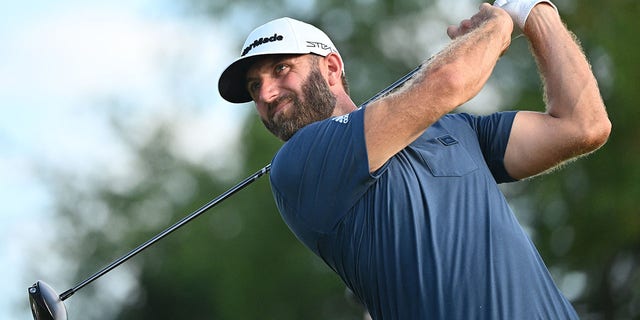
column 335, row 69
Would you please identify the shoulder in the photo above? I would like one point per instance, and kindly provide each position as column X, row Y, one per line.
column 325, row 133
column 325, row 139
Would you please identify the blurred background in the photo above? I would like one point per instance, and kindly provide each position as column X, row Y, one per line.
column 112, row 129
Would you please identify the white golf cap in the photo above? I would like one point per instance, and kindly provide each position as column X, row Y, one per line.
column 280, row 36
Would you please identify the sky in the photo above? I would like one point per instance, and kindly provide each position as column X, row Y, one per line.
column 61, row 62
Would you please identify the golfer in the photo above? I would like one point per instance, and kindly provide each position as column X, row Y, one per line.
column 400, row 197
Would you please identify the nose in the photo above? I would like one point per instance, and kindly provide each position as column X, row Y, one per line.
column 268, row 90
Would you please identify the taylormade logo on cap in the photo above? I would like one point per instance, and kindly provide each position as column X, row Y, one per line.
column 259, row 41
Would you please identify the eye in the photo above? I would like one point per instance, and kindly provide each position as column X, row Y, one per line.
column 281, row 67
column 253, row 86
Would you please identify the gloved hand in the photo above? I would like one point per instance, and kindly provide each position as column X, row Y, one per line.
column 519, row 9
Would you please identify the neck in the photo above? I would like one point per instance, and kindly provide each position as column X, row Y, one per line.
column 344, row 105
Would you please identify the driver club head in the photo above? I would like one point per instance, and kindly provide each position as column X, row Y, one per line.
column 46, row 303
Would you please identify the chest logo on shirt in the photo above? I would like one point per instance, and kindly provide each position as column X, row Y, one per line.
column 447, row 140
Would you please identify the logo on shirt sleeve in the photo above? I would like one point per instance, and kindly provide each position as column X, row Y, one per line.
column 342, row 119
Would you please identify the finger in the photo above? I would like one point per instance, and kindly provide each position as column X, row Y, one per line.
column 452, row 32
column 466, row 24
column 485, row 6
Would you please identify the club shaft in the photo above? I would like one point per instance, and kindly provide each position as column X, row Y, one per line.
column 392, row 86
column 167, row 231
column 210, row 204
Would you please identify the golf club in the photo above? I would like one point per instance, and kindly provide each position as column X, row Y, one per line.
column 47, row 304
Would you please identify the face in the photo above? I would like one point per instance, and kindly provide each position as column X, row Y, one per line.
column 290, row 93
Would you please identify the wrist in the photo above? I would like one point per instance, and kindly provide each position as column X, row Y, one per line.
column 520, row 10
column 542, row 21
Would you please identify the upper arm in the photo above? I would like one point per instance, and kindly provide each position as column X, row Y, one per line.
column 533, row 145
column 539, row 142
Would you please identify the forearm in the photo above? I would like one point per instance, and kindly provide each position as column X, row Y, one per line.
column 458, row 73
column 570, row 88
column 448, row 80
column 468, row 62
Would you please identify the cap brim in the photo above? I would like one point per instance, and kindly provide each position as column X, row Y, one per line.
column 232, row 83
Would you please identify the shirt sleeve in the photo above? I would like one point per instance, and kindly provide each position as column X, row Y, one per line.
column 493, row 133
column 320, row 173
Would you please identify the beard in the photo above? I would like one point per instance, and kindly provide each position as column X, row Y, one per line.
column 317, row 104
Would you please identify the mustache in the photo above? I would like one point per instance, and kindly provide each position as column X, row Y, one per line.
column 281, row 99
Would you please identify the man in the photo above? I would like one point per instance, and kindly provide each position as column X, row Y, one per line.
column 400, row 197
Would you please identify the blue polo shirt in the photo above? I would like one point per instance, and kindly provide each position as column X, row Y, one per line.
column 427, row 236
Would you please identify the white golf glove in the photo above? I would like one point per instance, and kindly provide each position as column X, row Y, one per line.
column 519, row 9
